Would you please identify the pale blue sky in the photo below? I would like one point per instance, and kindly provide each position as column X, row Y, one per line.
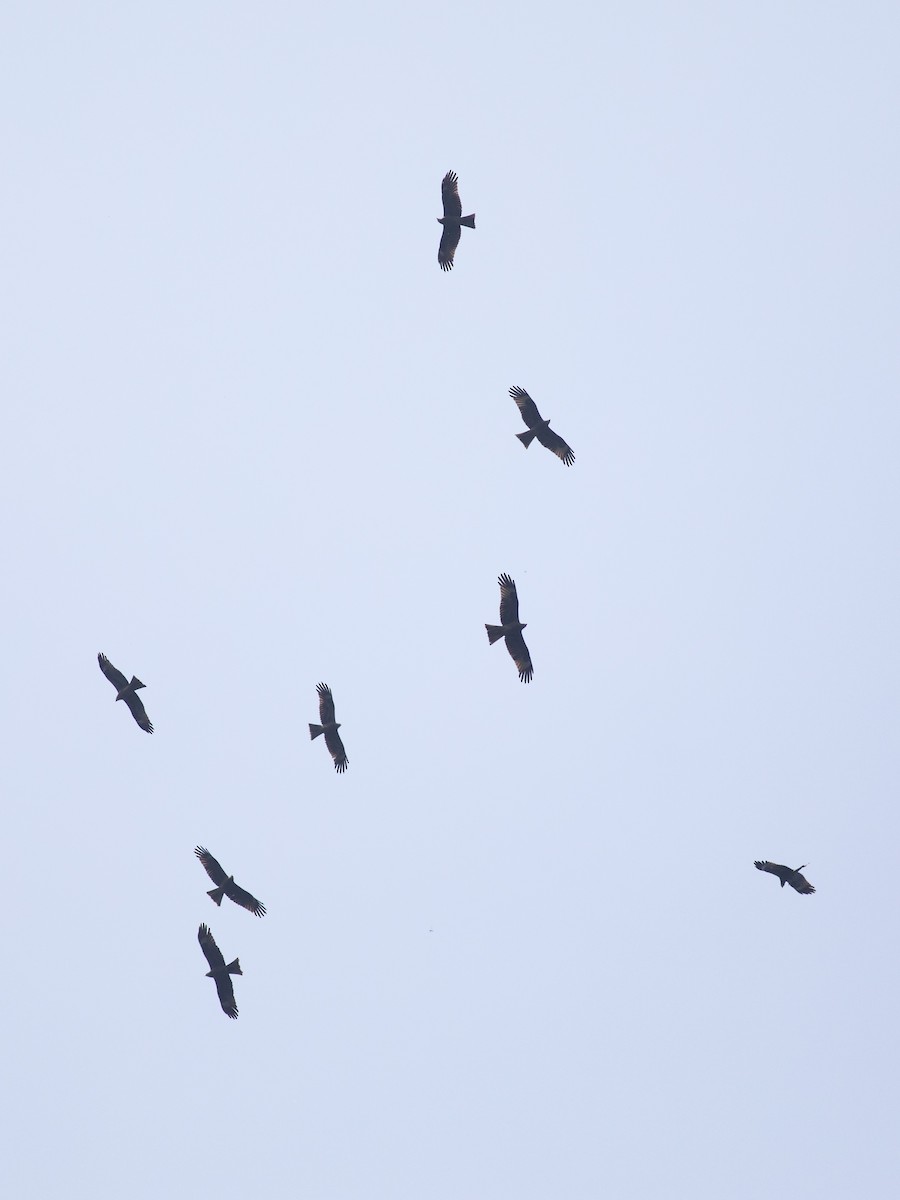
column 255, row 438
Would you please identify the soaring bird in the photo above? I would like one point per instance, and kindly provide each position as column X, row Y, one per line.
column 539, row 428
column 786, row 875
column 330, row 728
column 218, row 970
column 225, row 885
column 452, row 220
column 511, row 628
column 126, row 691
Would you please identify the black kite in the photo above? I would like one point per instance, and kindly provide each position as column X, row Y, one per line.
column 539, row 428
column 126, row 691
column 511, row 627
column 218, row 970
column 330, row 728
column 452, row 220
column 786, row 875
column 225, row 885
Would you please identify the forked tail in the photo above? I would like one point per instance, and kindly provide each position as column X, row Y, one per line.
column 136, row 683
column 494, row 632
column 469, row 221
column 315, row 730
column 216, row 894
column 234, row 968
column 527, row 437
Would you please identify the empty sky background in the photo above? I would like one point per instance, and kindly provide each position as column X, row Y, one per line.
column 254, row 438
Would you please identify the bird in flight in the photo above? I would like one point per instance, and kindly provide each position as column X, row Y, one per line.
column 786, row 875
column 218, row 971
column 539, row 428
column 126, row 691
column 330, row 728
column 225, row 885
column 511, row 627
column 452, row 220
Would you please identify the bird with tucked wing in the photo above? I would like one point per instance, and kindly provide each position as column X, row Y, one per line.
column 225, row 885
column 452, row 220
column 511, row 627
column 539, row 428
column 218, row 971
column 788, row 875
column 126, row 690
column 330, row 728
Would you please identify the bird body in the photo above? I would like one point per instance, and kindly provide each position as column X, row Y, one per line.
column 496, row 632
column 529, row 435
column 126, row 689
column 789, row 875
column 452, row 220
column 510, row 628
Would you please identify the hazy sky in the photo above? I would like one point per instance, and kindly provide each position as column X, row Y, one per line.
column 254, row 438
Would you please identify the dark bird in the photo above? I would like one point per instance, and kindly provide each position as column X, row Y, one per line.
column 218, row 971
column 330, row 728
column 786, row 875
column 126, row 691
column 225, row 885
column 511, row 628
column 539, row 428
column 452, row 220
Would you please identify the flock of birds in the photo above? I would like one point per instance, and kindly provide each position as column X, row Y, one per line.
column 510, row 629
column 510, row 626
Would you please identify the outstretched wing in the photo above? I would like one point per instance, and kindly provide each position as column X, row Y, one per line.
column 326, row 704
column 518, row 652
column 211, row 866
column 554, row 442
column 527, row 407
column 245, row 900
column 336, row 748
column 115, row 677
column 225, row 988
column 801, row 884
column 136, row 705
column 447, row 248
column 211, row 951
column 773, row 869
column 509, row 601
column 450, row 197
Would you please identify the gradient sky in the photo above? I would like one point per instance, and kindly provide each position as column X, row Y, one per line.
column 255, row 438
